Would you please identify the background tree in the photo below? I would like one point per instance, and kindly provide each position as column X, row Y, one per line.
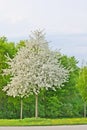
column 82, row 85
column 68, row 102
column 69, row 96
column 20, row 44
column 5, row 48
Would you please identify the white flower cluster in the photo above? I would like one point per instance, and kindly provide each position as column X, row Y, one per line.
column 34, row 67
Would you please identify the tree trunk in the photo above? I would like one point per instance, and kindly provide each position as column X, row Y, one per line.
column 45, row 104
column 84, row 109
column 21, row 111
column 36, row 106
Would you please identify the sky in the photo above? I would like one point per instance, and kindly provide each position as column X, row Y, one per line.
column 64, row 22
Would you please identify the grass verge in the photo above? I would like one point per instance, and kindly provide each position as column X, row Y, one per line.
column 42, row 122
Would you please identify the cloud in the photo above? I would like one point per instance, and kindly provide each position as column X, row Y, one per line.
column 56, row 16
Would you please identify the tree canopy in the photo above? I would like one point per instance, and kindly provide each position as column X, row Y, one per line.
column 34, row 67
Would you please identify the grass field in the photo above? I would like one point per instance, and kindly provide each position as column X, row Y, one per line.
column 42, row 122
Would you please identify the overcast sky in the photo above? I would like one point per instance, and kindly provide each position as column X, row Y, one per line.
column 64, row 21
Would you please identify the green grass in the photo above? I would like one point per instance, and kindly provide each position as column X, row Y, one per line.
column 42, row 122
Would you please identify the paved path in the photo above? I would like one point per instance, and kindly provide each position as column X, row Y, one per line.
column 74, row 127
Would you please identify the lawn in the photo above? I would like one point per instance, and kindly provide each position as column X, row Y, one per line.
column 42, row 122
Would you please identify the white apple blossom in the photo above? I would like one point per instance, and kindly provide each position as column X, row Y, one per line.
column 34, row 67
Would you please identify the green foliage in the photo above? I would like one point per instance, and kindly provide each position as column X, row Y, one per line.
column 20, row 44
column 52, row 109
column 64, row 102
column 6, row 48
column 69, row 95
column 82, row 83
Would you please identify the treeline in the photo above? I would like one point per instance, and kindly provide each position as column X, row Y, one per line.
column 64, row 102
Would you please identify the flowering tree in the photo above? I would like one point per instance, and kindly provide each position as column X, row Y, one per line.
column 33, row 68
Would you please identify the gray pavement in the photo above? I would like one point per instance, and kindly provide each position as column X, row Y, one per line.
column 73, row 127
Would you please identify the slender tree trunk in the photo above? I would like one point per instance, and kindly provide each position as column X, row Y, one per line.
column 36, row 106
column 21, row 111
column 45, row 103
column 84, row 109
